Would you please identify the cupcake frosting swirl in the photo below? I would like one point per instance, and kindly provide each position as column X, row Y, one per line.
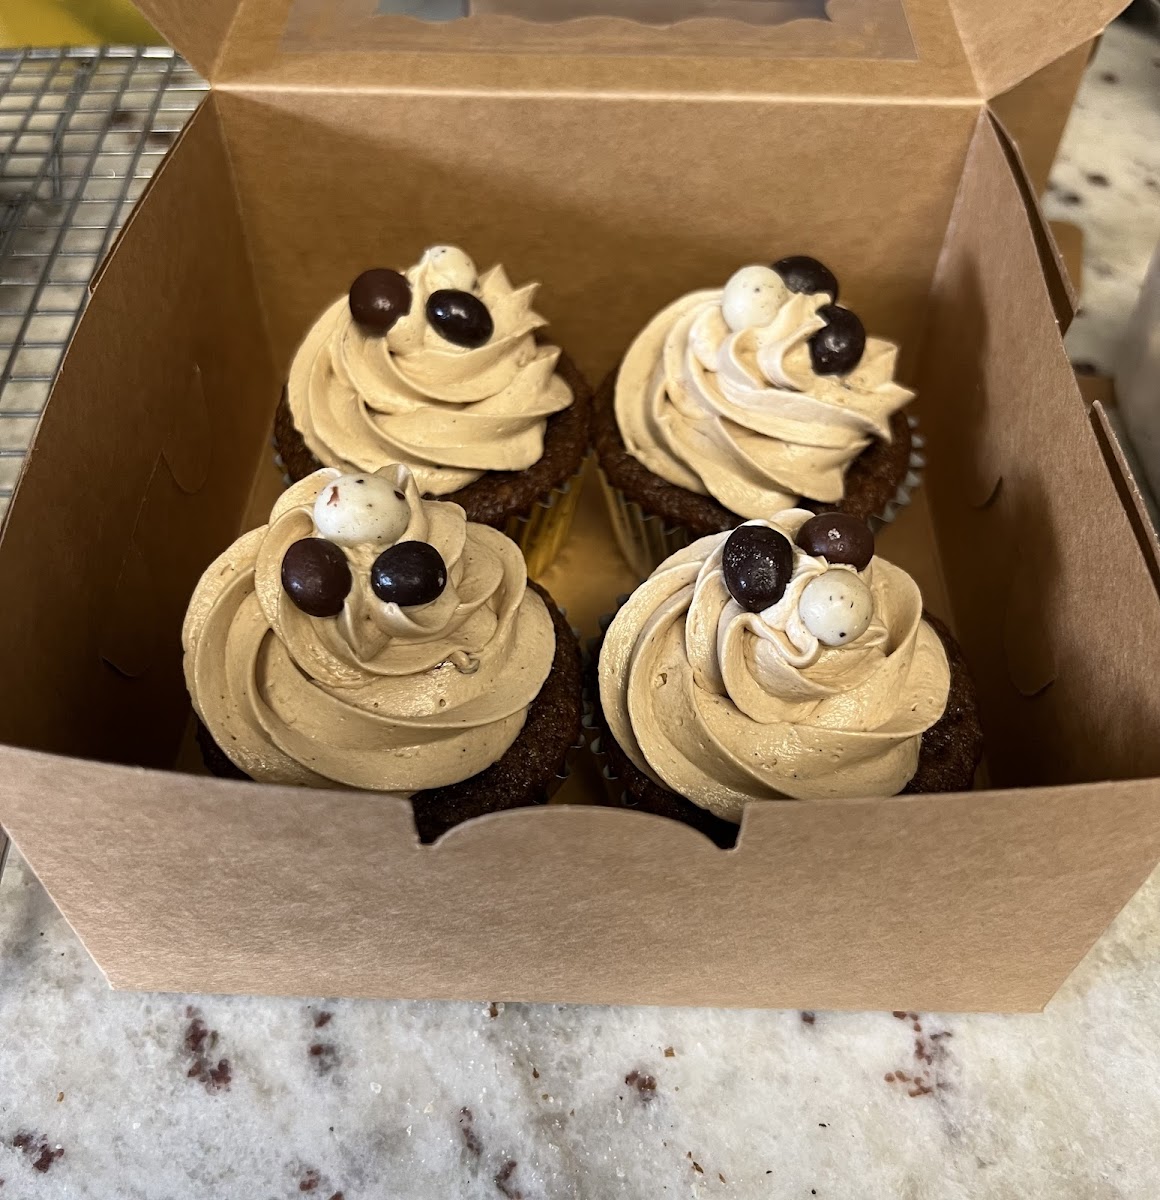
column 381, row 696
column 723, row 706
column 741, row 414
column 449, row 412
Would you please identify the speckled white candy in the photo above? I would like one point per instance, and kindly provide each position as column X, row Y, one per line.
column 836, row 607
column 452, row 267
column 752, row 297
column 358, row 509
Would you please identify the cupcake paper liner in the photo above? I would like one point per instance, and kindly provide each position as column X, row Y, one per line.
column 646, row 539
column 540, row 532
column 617, row 795
column 580, row 746
column 281, row 466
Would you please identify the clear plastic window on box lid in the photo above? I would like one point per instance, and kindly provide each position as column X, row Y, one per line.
column 860, row 29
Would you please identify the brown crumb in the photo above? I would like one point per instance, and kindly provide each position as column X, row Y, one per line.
column 35, row 1146
column 470, row 1137
column 200, row 1042
column 504, row 1183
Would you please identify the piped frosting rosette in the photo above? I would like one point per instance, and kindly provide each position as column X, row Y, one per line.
column 781, row 660
column 366, row 637
column 438, row 369
column 758, row 393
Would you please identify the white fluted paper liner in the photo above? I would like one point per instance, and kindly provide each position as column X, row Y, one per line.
column 542, row 531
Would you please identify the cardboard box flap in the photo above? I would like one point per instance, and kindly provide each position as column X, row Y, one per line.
column 198, row 31
column 848, row 904
column 94, row 635
column 1060, row 288
column 1125, row 468
column 833, row 47
column 1007, row 42
column 332, row 42
column 1056, row 612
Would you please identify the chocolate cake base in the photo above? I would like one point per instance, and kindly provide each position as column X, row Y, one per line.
column 528, row 770
column 872, row 480
column 948, row 756
column 495, row 496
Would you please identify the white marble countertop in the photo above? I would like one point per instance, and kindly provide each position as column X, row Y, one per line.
column 117, row 1095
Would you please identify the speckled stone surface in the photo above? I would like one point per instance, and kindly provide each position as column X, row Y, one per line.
column 159, row 1097
column 1106, row 179
column 105, row 1094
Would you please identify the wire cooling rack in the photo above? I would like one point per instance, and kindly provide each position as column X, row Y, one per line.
column 81, row 130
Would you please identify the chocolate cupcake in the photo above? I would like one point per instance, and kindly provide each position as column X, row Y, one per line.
column 371, row 639
column 444, row 370
column 745, row 400
column 780, row 661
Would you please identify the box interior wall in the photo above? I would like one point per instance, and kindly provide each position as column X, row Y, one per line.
column 640, row 202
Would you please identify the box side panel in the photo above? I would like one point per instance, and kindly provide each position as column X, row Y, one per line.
column 616, row 206
column 983, row 901
column 1052, row 597
column 138, row 474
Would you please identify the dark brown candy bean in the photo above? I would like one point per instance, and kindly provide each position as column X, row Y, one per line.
column 757, row 563
column 459, row 317
column 800, row 273
column 409, row 573
column 378, row 298
column 836, row 348
column 838, row 538
column 316, row 576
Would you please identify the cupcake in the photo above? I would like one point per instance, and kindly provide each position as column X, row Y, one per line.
column 781, row 661
column 443, row 370
column 740, row 401
column 368, row 638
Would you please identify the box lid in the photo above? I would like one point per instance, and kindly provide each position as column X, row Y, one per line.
column 965, row 49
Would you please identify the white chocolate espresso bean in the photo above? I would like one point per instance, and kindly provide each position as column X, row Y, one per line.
column 752, row 297
column 452, row 268
column 358, row 510
column 836, row 607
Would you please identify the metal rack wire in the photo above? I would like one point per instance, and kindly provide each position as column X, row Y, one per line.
column 81, row 130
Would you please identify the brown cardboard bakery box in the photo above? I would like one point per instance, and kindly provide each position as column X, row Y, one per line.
column 620, row 162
